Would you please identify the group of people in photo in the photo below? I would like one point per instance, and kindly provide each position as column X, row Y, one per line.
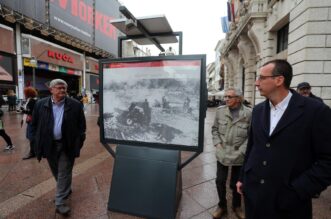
column 277, row 153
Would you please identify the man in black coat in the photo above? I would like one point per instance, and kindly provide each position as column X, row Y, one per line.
column 288, row 157
column 304, row 89
column 58, row 132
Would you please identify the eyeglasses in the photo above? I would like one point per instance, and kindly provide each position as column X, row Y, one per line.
column 262, row 77
column 229, row 97
column 60, row 88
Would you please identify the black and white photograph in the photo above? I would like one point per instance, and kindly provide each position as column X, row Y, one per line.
column 152, row 101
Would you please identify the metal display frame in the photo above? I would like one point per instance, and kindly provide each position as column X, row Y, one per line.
column 147, row 180
column 202, row 102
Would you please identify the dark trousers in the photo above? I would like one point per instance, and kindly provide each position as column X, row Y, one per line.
column 29, row 136
column 5, row 136
column 61, row 166
column 11, row 107
column 221, row 176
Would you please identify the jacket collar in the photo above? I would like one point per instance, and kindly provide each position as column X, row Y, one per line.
column 67, row 104
column 242, row 113
column 293, row 111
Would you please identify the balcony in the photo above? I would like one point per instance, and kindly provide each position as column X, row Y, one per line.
column 248, row 10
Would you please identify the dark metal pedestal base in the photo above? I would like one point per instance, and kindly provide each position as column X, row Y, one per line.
column 146, row 182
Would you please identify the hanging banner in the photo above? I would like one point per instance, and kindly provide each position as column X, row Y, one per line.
column 74, row 17
column 105, row 33
column 34, row 9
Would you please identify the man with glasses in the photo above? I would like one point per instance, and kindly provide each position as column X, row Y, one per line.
column 230, row 131
column 288, row 157
column 58, row 131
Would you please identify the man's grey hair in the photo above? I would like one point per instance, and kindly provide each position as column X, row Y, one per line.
column 58, row 81
column 237, row 91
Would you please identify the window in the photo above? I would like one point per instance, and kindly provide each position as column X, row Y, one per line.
column 282, row 38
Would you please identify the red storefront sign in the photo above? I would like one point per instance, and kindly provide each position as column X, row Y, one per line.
column 60, row 56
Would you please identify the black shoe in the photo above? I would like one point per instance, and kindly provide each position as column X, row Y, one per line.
column 29, row 156
column 63, row 209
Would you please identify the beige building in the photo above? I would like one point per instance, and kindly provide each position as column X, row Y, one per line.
column 132, row 49
column 296, row 30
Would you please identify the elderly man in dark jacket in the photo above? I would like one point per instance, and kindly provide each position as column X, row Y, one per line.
column 304, row 89
column 288, row 157
column 58, row 131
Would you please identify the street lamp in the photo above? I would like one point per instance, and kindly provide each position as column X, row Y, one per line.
column 33, row 63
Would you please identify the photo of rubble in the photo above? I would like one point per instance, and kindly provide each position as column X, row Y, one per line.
column 154, row 106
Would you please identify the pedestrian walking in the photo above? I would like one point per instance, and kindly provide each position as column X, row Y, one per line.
column 2, row 101
column 12, row 98
column 304, row 89
column 230, row 132
column 58, row 128
column 31, row 97
column 4, row 135
column 288, row 157
column 85, row 101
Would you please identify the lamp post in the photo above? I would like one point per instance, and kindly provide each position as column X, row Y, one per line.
column 33, row 62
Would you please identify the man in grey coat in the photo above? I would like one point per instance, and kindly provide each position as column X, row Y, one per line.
column 230, row 131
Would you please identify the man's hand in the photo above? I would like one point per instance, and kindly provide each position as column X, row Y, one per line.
column 239, row 187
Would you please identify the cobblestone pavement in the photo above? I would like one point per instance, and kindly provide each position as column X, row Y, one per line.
column 27, row 187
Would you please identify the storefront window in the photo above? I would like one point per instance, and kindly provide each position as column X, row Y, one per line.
column 6, row 68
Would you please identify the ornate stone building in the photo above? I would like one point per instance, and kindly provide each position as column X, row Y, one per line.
column 296, row 30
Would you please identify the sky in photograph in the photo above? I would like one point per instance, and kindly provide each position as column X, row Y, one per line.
column 198, row 20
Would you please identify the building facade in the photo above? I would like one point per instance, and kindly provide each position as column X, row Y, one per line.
column 295, row 30
column 43, row 39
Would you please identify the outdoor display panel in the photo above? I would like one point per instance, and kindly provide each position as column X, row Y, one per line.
column 154, row 101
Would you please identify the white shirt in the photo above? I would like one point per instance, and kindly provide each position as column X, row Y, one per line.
column 58, row 110
column 276, row 112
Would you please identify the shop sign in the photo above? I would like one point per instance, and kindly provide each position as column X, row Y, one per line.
column 74, row 72
column 42, row 65
column 77, row 72
column 26, row 62
column 53, row 67
column 60, row 56
column 62, row 69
